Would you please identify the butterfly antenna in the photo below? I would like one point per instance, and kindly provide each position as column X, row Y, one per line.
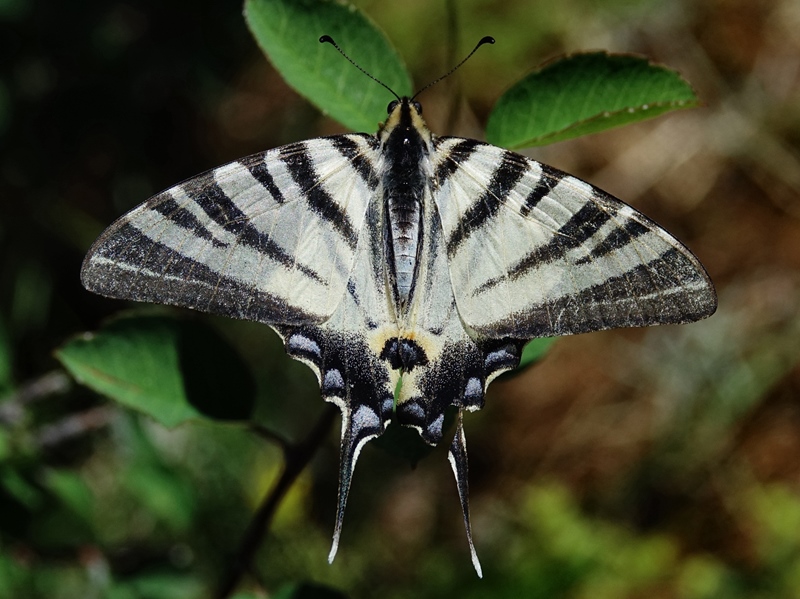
column 484, row 40
column 327, row 39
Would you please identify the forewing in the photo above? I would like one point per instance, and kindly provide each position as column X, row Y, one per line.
column 536, row 252
column 271, row 237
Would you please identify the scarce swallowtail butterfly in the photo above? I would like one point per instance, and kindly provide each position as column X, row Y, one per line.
column 401, row 255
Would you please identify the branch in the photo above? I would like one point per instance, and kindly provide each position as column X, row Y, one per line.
column 12, row 410
column 297, row 458
column 273, row 437
column 74, row 426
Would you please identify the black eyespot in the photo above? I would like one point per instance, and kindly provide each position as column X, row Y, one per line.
column 392, row 105
column 417, row 106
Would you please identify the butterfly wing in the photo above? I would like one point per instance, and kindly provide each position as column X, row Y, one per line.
column 261, row 238
column 535, row 252
column 291, row 238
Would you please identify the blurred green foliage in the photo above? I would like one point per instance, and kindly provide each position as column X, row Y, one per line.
column 169, row 369
column 103, row 105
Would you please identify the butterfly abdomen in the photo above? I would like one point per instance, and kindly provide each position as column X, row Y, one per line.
column 404, row 181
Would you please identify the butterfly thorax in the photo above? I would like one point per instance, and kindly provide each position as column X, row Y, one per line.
column 406, row 144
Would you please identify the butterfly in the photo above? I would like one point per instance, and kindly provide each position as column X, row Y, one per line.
column 401, row 256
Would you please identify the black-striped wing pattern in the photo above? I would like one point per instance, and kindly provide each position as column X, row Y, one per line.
column 401, row 255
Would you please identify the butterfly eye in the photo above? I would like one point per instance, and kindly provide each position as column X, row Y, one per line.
column 392, row 105
column 417, row 106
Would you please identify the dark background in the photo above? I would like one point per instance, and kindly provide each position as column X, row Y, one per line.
column 658, row 463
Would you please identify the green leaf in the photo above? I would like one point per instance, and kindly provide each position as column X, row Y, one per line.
column 583, row 94
column 288, row 32
column 535, row 350
column 172, row 370
column 162, row 494
column 72, row 491
column 65, row 516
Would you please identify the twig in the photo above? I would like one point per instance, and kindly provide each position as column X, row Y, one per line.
column 12, row 410
column 272, row 437
column 297, row 458
column 74, row 426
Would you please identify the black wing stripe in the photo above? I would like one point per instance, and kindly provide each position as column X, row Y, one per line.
column 162, row 266
column 617, row 239
column 207, row 194
column 350, row 150
column 300, row 166
column 572, row 234
column 183, row 218
column 258, row 168
column 550, row 177
column 503, row 181
column 457, row 154
column 667, row 290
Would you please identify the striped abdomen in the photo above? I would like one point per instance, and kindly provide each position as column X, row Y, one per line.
column 404, row 187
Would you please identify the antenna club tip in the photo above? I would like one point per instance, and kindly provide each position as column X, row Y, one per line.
column 326, row 39
column 488, row 39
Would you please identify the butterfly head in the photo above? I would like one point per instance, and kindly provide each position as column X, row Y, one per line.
column 404, row 119
column 394, row 104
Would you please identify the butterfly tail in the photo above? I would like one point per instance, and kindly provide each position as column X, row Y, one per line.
column 458, row 460
column 356, row 431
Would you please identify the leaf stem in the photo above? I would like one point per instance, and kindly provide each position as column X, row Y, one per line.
column 273, row 437
column 296, row 459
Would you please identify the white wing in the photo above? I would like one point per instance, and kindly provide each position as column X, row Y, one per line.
column 271, row 237
column 292, row 238
column 536, row 252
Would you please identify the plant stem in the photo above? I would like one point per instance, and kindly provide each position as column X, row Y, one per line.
column 272, row 437
column 296, row 458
